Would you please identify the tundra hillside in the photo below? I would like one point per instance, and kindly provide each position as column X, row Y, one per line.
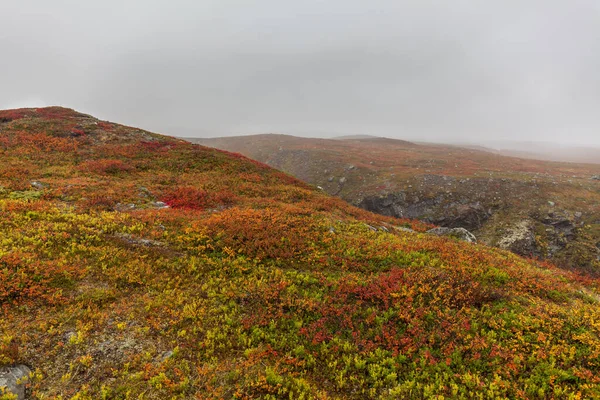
column 540, row 209
column 135, row 265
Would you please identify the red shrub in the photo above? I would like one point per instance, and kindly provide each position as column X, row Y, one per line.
column 104, row 166
column 224, row 197
column 156, row 145
column 57, row 113
column 107, row 126
column 100, row 202
column 11, row 115
column 198, row 199
column 77, row 132
column 187, row 197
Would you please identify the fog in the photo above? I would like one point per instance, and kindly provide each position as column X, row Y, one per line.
column 422, row 70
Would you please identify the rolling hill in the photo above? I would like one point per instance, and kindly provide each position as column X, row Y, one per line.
column 541, row 209
column 136, row 265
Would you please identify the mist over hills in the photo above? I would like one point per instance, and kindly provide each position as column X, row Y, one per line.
column 550, row 151
column 537, row 150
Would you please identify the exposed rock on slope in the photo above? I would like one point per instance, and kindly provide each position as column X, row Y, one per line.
column 458, row 233
column 440, row 210
column 13, row 380
column 520, row 239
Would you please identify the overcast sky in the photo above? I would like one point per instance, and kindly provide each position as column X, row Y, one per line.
column 433, row 70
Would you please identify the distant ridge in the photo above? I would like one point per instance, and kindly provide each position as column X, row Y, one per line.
column 356, row 137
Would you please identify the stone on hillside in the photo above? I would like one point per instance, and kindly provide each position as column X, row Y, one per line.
column 13, row 380
column 458, row 233
column 166, row 355
column 596, row 177
column 562, row 223
column 403, row 229
column 124, row 207
column 38, row 185
column 520, row 239
column 138, row 241
column 343, row 180
column 159, row 204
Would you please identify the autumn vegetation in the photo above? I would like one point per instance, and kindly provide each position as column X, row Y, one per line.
column 139, row 266
column 488, row 193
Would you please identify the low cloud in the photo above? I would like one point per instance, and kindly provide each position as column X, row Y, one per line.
column 445, row 71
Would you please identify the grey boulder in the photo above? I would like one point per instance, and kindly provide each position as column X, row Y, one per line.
column 13, row 380
column 458, row 233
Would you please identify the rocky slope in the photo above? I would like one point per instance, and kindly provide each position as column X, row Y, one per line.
column 135, row 265
column 535, row 208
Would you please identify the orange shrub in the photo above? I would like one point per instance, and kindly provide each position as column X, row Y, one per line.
column 100, row 202
column 264, row 233
column 24, row 277
column 189, row 197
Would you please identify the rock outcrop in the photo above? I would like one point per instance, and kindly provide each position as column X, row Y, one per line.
column 13, row 380
column 458, row 233
column 520, row 239
column 542, row 235
column 438, row 210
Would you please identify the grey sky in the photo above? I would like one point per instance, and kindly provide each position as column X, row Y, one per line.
column 432, row 70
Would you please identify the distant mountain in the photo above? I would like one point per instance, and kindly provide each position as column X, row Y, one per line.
column 356, row 137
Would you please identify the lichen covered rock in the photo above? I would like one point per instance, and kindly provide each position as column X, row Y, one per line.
column 13, row 380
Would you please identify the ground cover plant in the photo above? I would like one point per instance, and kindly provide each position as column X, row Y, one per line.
column 135, row 265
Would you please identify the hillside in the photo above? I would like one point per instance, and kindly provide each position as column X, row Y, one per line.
column 136, row 265
column 541, row 209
